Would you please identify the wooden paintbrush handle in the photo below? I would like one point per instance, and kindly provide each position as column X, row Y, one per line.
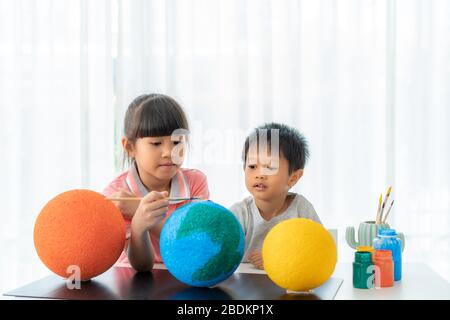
column 139, row 199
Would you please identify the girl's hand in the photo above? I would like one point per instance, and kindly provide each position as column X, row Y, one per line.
column 255, row 258
column 127, row 208
column 152, row 209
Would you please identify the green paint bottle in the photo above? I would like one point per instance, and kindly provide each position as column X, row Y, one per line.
column 363, row 271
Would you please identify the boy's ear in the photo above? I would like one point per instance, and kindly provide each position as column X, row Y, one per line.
column 295, row 176
column 128, row 146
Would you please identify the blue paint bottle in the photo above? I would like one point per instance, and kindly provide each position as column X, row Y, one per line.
column 387, row 239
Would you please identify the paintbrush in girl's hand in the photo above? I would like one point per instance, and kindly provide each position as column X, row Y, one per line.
column 139, row 199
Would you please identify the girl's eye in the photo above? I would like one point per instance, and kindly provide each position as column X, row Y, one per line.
column 251, row 166
column 176, row 142
column 155, row 143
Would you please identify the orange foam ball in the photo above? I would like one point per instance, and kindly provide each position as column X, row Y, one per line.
column 79, row 228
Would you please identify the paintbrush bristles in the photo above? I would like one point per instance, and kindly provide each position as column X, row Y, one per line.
column 384, row 203
column 389, row 191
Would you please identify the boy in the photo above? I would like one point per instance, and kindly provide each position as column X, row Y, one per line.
column 274, row 157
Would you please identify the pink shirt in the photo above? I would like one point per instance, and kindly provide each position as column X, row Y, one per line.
column 186, row 183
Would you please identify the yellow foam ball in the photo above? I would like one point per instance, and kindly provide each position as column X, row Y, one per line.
column 299, row 254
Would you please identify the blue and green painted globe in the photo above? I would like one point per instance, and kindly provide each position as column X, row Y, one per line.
column 202, row 243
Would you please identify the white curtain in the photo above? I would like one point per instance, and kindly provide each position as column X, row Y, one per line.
column 56, row 116
column 367, row 82
column 317, row 65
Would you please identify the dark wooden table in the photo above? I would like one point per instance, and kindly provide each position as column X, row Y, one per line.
column 125, row 283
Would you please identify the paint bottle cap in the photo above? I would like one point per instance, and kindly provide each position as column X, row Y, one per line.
column 383, row 255
column 363, row 257
column 387, row 232
column 365, row 248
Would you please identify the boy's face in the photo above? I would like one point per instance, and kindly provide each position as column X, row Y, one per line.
column 268, row 179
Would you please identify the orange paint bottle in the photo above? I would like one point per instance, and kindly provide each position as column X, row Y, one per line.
column 384, row 268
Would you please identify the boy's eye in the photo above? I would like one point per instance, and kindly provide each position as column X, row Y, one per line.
column 176, row 142
column 252, row 166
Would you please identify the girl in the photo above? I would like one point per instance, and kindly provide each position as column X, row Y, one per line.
column 155, row 154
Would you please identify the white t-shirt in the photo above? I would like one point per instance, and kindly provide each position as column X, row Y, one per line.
column 256, row 228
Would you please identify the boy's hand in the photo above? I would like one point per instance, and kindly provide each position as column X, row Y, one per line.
column 127, row 208
column 255, row 258
column 152, row 209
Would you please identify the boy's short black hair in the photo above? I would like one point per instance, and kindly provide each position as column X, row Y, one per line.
column 292, row 144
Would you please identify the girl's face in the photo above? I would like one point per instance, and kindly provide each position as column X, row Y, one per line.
column 160, row 157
